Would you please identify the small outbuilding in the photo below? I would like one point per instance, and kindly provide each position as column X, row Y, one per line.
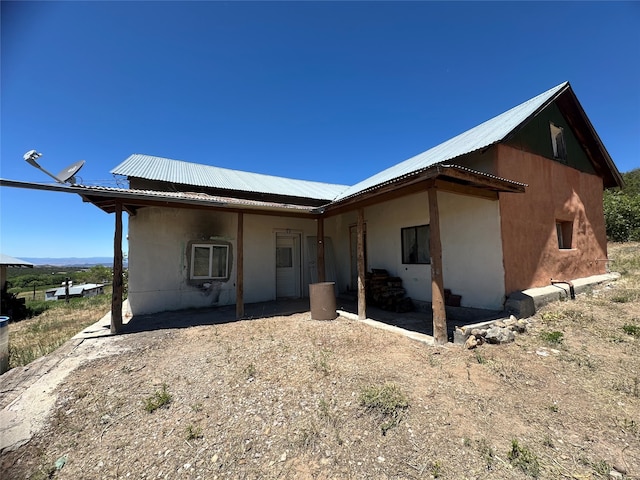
column 75, row 291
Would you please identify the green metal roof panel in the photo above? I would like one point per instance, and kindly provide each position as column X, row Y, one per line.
column 176, row 171
column 482, row 136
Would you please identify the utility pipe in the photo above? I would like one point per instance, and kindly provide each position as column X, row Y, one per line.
column 572, row 292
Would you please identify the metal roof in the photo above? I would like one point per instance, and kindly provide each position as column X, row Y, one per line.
column 76, row 289
column 7, row 261
column 177, row 171
column 485, row 134
column 135, row 196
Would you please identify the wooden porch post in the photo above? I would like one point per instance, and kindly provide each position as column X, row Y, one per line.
column 116, row 294
column 320, row 259
column 437, row 282
column 240, row 268
column 362, row 303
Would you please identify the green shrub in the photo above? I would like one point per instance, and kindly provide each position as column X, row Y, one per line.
column 552, row 338
column 521, row 457
column 631, row 329
column 160, row 399
column 386, row 400
column 622, row 210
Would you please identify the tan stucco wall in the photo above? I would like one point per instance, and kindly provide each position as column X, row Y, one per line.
column 470, row 233
column 158, row 257
column 555, row 192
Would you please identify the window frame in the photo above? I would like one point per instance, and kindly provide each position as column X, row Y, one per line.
column 406, row 260
column 564, row 232
column 211, row 247
column 558, row 142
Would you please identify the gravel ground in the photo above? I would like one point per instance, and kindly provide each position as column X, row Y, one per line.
column 290, row 397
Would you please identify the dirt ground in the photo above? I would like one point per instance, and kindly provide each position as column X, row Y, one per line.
column 286, row 397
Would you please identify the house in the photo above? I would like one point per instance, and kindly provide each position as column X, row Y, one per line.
column 513, row 203
column 75, row 291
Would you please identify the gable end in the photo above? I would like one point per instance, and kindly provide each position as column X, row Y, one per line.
column 549, row 135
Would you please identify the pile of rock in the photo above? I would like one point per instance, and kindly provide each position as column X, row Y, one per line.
column 501, row 331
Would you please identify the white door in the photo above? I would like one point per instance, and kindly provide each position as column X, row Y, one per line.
column 287, row 265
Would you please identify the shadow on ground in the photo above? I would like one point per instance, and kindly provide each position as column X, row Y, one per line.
column 416, row 321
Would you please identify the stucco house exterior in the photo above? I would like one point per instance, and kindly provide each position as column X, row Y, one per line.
column 507, row 205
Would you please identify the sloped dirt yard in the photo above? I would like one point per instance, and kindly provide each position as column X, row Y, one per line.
column 289, row 397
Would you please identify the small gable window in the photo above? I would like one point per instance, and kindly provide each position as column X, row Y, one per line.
column 415, row 245
column 558, row 143
column 564, row 230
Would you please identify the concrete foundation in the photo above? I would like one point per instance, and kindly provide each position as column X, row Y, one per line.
column 526, row 303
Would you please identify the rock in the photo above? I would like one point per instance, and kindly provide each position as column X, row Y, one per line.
column 520, row 326
column 61, row 462
column 479, row 332
column 619, row 468
column 499, row 335
column 614, row 475
column 499, row 323
column 471, row 342
column 510, row 321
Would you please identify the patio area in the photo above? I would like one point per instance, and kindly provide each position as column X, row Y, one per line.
column 419, row 322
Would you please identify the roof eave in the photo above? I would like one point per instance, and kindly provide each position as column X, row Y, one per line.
column 615, row 179
column 447, row 172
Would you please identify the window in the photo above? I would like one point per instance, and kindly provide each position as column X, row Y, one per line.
column 415, row 245
column 284, row 257
column 557, row 140
column 564, row 230
column 209, row 261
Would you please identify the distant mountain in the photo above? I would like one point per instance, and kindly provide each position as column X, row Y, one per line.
column 71, row 261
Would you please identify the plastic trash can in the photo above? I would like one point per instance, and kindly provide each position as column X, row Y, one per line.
column 322, row 300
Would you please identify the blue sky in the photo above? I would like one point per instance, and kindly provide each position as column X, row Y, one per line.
column 329, row 91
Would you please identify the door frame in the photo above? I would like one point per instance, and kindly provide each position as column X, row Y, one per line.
column 298, row 256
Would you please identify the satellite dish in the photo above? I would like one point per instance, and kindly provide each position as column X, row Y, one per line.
column 67, row 175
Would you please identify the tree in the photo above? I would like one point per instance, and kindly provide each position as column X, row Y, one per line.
column 97, row 274
column 622, row 209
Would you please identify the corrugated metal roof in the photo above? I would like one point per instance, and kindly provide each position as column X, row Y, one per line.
column 8, row 261
column 177, row 171
column 76, row 289
column 190, row 197
column 133, row 195
column 477, row 138
column 485, row 134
